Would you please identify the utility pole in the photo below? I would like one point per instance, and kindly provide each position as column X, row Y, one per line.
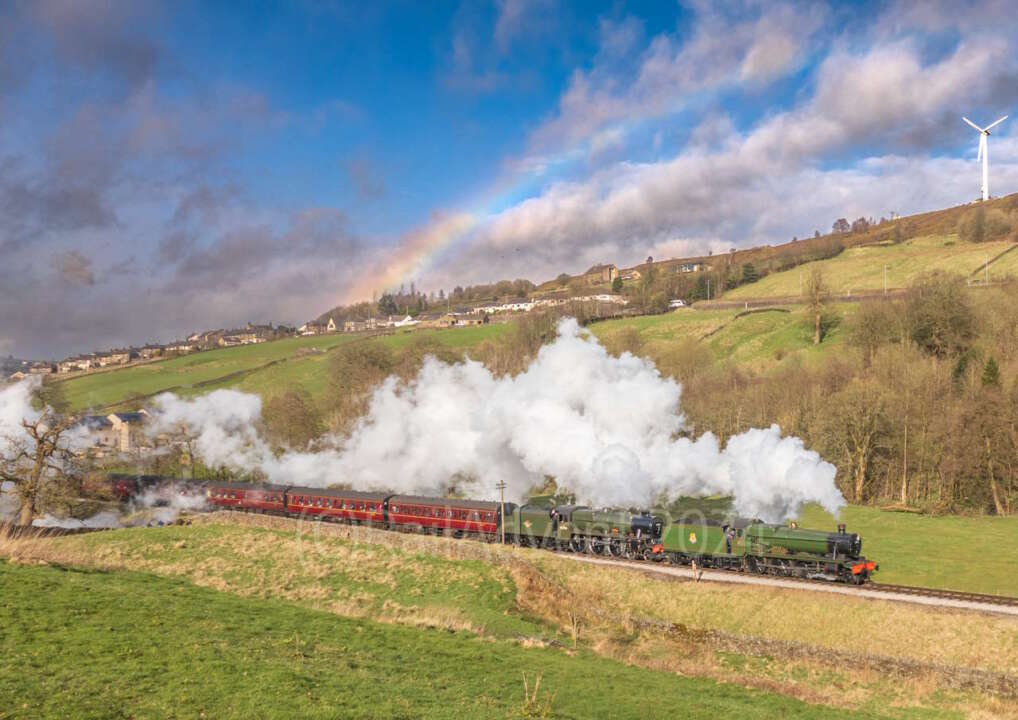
column 500, row 486
column 986, row 268
column 708, row 288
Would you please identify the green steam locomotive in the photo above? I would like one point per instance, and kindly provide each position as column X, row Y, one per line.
column 692, row 538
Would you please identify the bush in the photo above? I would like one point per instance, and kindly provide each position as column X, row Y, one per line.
column 941, row 320
column 291, row 419
column 876, row 323
column 981, row 225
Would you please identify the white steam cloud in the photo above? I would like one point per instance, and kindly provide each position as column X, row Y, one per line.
column 15, row 406
column 607, row 428
column 160, row 505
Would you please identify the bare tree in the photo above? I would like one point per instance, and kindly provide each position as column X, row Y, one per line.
column 856, row 427
column 39, row 462
column 816, row 294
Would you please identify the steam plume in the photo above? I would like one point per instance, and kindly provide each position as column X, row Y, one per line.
column 607, row 428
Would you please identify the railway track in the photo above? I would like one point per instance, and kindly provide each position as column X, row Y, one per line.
column 980, row 598
column 932, row 597
column 873, row 590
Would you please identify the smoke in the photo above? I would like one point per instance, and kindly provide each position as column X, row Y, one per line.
column 156, row 506
column 609, row 429
column 9, row 503
column 105, row 519
column 15, row 406
column 162, row 505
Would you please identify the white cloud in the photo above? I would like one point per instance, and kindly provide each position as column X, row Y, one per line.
column 724, row 48
column 880, row 114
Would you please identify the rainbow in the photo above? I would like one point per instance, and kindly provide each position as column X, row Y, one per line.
column 417, row 249
column 412, row 255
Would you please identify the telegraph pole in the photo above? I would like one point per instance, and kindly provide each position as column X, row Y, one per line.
column 986, row 269
column 500, row 486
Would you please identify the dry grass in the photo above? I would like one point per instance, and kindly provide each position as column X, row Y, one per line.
column 816, row 647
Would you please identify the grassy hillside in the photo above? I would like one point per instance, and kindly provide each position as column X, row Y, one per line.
column 973, row 554
column 139, row 645
column 758, row 339
column 250, row 615
column 862, row 268
column 264, row 369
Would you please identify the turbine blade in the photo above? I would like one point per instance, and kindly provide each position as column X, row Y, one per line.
column 972, row 124
column 995, row 124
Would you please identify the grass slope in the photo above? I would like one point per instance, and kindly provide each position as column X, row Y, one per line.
column 757, row 339
column 355, row 622
column 264, row 369
column 974, row 554
column 91, row 644
column 862, row 268
column 186, row 373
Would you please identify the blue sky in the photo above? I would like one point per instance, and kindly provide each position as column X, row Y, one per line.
column 180, row 166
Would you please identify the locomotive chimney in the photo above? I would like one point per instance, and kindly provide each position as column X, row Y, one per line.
column 841, row 528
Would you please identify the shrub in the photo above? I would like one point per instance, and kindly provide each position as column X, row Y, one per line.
column 940, row 318
column 981, row 225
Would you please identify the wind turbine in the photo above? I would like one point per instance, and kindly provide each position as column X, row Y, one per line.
column 983, row 151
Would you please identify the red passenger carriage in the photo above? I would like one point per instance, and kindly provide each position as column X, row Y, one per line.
column 473, row 517
column 337, row 505
column 247, row 496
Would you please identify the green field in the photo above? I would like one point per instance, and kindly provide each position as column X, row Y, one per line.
column 974, row 554
column 862, row 268
column 755, row 339
column 81, row 644
column 254, row 617
column 264, row 369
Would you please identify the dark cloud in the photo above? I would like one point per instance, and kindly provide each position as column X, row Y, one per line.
column 103, row 36
column 175, row 246
column 73, row 267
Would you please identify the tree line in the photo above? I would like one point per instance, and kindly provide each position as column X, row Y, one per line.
column 920, row 409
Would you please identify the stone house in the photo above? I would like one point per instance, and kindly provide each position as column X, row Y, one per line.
column 599, row 274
